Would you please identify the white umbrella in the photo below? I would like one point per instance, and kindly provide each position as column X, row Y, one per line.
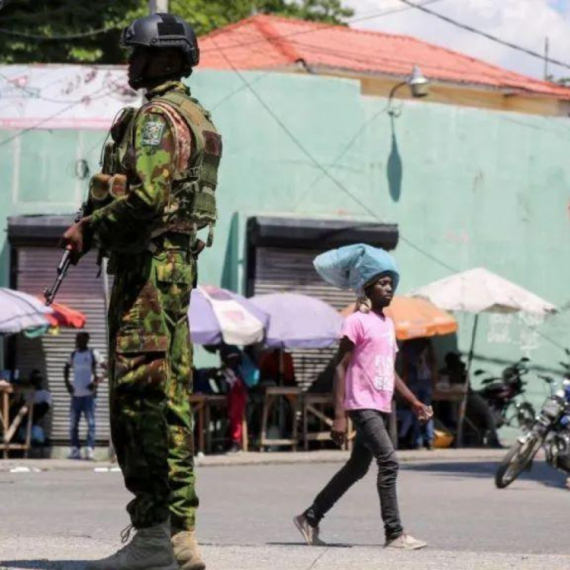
column 477, row 291
column 20, row 311
column 481, row 291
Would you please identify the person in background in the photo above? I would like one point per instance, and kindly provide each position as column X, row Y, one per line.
column 239, row 372
column 420, row 375
column 276, row 366
column 42, row 396
column 83, row 361
column 42, row 405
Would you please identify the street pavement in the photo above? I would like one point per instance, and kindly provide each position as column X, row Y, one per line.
column 58, row 518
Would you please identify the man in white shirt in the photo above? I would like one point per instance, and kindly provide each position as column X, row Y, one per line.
column 83, row 361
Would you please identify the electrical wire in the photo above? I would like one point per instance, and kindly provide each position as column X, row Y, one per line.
column 319, row 28
column 18, row 134
column 342, row 187
column 491, row 37
column 58, row 38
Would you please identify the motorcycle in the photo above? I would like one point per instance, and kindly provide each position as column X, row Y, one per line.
column 504, row 397
column 550, row 429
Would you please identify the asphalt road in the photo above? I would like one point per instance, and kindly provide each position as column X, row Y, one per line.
column 57, row 519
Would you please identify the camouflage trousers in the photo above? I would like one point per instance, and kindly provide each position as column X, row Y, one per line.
column 150, row 369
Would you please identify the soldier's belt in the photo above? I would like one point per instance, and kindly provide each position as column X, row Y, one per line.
column 173, row 240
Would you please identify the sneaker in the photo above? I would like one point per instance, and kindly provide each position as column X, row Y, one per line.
column 310, row 533
column 74, row 454
column 90, row 454
column 150, row 549
column 405, row 542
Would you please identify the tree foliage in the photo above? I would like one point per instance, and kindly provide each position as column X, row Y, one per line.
column 73, row 31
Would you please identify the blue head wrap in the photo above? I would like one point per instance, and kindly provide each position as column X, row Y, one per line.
column 355, row 266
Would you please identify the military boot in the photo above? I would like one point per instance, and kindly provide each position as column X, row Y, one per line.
column 186, row 550
column 150, row 549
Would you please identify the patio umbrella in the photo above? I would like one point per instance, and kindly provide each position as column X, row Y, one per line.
column 20, row 311
column 217, row 315
column 299, row 321
column 477, row 291
column 415, row 318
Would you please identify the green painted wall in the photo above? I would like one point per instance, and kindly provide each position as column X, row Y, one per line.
column 467, row 187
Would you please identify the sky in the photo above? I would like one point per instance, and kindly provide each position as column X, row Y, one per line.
column 523, row 22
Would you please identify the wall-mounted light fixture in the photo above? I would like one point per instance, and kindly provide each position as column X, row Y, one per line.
column 418, row 85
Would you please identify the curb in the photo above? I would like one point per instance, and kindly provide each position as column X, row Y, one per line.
column 257, row 459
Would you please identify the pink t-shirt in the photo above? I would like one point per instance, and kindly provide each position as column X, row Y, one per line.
column 370, row 375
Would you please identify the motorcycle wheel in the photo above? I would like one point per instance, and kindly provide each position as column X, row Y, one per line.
column 516, row 460
column 525, row 416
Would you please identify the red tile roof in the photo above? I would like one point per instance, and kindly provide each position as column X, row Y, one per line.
column 270, row 42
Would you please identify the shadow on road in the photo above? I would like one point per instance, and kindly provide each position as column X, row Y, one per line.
column 43, row 564
column 541, row 472
column 328, row 545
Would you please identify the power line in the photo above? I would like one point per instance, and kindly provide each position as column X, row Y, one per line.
column 491, row 37
column 57, row 38
column 9, row 139
column 369, row 16
column 319, row 28
column 340, row 185
column 315, row 162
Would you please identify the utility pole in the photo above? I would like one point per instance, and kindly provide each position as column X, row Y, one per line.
column 157, row 6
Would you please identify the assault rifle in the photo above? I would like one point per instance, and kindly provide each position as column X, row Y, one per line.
column 63, row 267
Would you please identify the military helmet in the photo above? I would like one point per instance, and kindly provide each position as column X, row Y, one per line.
column 163, row 31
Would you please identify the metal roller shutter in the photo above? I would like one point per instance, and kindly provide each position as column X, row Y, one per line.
column 82, row 290
column 280, row 270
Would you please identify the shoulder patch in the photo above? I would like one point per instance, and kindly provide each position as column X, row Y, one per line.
column 152, row 133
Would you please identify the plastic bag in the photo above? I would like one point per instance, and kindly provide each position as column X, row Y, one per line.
column 354, row 266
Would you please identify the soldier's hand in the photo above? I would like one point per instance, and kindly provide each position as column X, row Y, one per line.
column 200, row 245
column 73, row 239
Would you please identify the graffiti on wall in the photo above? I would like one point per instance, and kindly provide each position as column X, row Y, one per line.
column 518, row 329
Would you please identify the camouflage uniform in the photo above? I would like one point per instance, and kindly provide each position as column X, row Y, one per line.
column 150, row 360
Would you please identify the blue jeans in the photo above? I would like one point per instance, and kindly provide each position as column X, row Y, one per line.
column 82, row 405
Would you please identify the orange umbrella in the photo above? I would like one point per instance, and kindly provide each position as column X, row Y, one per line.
column 415, row 318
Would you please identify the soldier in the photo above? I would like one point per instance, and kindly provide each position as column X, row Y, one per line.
column 155, row 193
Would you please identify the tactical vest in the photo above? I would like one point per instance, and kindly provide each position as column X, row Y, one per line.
column 192, row 201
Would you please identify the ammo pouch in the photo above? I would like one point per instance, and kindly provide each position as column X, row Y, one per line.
column 103, row 188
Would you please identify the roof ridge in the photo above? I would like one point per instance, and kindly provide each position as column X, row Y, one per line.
column 280, row 42
column 292, row 47
column 224, row 29
column 434, row 46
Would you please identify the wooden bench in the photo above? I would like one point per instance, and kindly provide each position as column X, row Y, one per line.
column 219, row 401
column 273, row 395
column 198, row 406
column 314, row 406
column 9, row 427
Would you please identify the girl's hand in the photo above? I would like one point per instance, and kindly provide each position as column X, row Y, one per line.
column 423, row 413
column 338, row 430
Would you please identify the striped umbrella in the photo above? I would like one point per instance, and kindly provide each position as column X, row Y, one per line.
column 20, row 311
column 217, row 315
